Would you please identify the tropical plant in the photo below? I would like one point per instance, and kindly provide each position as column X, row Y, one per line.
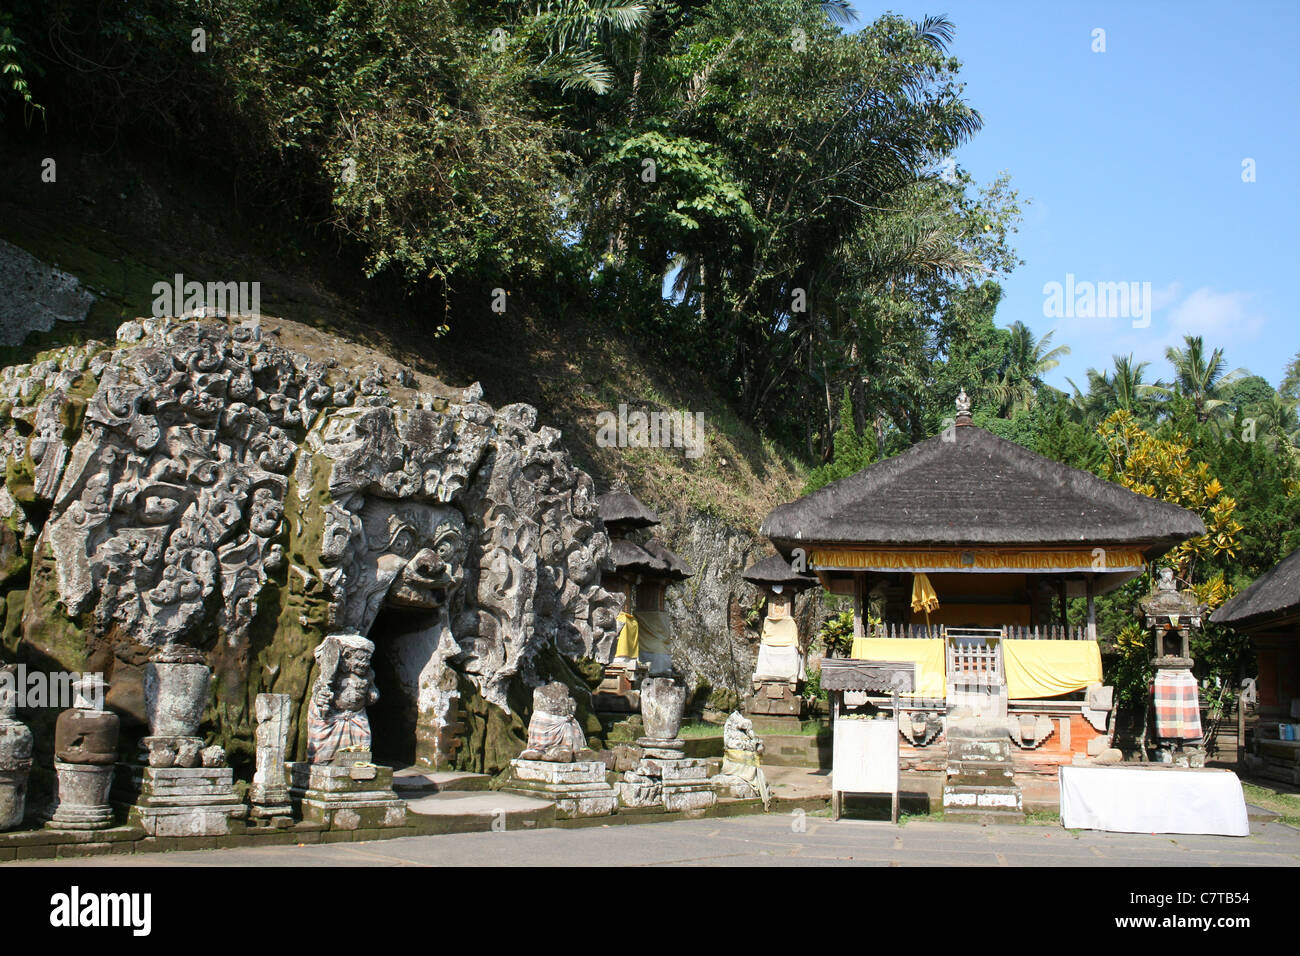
column 1199, row 377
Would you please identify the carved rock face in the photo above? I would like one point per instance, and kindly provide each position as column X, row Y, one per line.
column 214, row 483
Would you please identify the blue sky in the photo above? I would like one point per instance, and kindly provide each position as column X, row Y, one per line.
column 1131, row 160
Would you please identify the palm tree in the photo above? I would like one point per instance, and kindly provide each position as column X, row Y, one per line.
column 1198, row 377
column 570, row 31
column 1029, row 359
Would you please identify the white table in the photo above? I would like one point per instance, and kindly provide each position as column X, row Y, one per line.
column 1148, row 799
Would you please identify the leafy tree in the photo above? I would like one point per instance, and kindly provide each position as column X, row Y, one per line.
column 853, row 451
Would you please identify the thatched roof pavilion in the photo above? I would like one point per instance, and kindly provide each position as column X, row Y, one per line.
column 1274, row 596
column 968, row 501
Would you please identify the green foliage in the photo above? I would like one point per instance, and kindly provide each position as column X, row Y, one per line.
column 836, row 635
column 853, row 451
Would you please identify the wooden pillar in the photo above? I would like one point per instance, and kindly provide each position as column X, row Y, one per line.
column 1092, row 611
column 859, row 604
column 1060, row 595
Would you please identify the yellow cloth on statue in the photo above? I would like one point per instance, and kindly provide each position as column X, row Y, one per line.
column 927, row 652
column 1049, row 668
column 653, row 631
column 924, row 597
column 780, row 633
column 628, row 642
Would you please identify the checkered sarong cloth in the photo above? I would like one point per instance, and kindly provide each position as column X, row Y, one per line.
column 1178, row 707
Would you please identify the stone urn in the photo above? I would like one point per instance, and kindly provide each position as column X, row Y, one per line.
column 176, row 684
column 85, row 749
column 662, row 702
column 15, row 755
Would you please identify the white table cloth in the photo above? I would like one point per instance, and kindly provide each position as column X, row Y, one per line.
column 1153, row 800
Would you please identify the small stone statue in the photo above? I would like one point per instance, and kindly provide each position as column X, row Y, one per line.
column 269, row 793
column 15, row 755
column 742, row 773
column 337, row 719
column 553, row 731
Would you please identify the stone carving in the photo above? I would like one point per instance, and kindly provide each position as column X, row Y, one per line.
column 1028, row 731
column 553, row 732
column 15, row 756
column 742, row 773
column 920, row 728
column 337, row 721
column 198, row 470
column 269, row 793
column 85, row 750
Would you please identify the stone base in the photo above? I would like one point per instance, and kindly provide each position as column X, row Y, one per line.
column 183, row 801
column 81, row 797
column 776, row 698
column 687, row 785
column 358, row 796
column 578, row 789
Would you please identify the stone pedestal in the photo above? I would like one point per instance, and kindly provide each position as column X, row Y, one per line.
column 81, row 796
column 579, row 789
column 664, row 777
column 183, row 801
column 775, row 698
column 350, row 794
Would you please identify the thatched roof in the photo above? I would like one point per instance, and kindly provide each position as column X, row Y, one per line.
column 775, row 569
column 1276, row 592
column 652, row 560
column 969, row 487
column 621, row 511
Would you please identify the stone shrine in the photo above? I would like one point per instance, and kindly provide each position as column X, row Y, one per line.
column 779, row 671
column 1173, row 614
column 642, row 571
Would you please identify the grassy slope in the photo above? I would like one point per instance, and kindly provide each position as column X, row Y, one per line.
column 120, row 226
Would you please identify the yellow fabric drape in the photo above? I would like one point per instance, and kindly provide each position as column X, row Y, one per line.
column 1049, row 668
column 629, row 644
column 1034, row 668
column 653, row 631
column 924, row 597
column 780, row 633
column 927, row 652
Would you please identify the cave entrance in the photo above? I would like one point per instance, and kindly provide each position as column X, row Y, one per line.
column 404, row 642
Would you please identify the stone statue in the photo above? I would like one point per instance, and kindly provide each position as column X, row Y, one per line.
column 553, row 731
column 742, row 774
column 337, row 719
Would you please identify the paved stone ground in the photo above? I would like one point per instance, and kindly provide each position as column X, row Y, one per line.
column 766, row 841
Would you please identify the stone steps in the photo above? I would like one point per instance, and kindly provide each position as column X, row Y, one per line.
column 411, row 783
